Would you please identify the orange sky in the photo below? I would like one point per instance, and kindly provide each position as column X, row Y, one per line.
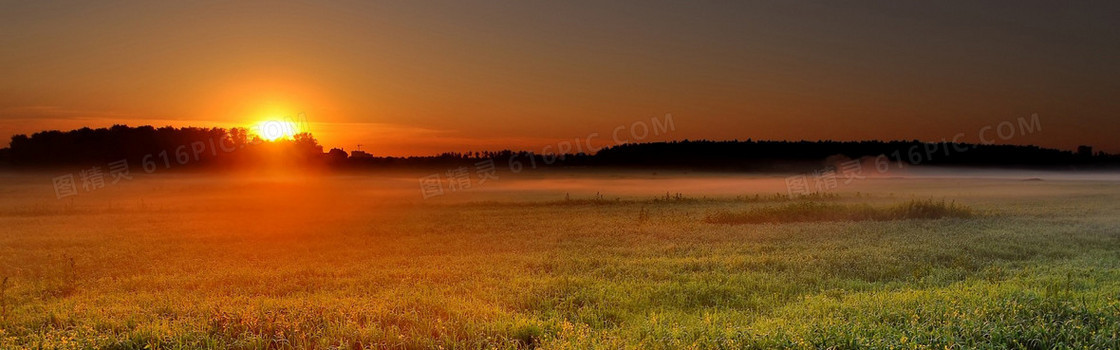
column 421, row 78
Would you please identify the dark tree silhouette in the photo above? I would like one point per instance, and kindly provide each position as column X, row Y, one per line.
column 216, row 147
column 181, row 146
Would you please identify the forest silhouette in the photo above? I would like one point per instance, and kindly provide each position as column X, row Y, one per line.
column 237, row 147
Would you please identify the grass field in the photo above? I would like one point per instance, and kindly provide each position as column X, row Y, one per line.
column 199, row 261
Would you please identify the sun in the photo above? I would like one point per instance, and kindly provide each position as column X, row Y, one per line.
column 272, row 130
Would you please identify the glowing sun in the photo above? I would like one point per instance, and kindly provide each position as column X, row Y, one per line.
column 272, row 130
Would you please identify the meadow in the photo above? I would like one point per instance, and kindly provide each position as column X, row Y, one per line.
column 573, row 260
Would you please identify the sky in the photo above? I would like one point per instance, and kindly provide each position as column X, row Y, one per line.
column 423, row 77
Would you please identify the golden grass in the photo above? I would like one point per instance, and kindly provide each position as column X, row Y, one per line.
column 348, row 263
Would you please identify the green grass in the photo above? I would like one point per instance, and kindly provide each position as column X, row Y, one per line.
column 322, row 265
column 817, row 212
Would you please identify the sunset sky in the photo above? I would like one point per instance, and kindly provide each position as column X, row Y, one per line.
column 405, row 77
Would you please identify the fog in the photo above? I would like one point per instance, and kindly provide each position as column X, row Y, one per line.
column 249, row 190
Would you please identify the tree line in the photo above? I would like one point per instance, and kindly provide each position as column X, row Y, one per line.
column 237, row 147
column 186, row 146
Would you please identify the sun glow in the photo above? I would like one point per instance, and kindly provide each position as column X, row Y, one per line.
column 272, row 130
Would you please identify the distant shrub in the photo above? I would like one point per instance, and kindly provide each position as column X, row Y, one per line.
column 929, row 209
column 817, row 211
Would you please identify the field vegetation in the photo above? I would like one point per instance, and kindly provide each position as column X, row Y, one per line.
column 185, row 262
column 811, row 211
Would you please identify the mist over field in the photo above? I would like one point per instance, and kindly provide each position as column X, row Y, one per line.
column 401, row 186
